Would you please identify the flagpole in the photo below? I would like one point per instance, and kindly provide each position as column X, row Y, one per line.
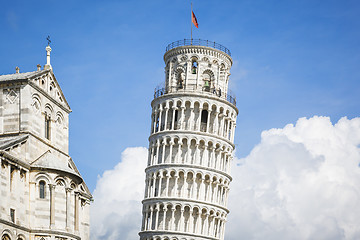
column 191, row 24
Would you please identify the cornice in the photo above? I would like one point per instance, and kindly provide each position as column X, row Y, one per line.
column 183, row 201
column 168, row 133
column 181, row 165
column 192, row 49
column 40, row 231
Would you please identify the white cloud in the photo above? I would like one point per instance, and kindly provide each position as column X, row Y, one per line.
column 116, row 210
column 299, row 182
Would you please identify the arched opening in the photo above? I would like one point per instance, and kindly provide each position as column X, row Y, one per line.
column 176, row 114
column 5, row 237
column 194, row 66
column 204, row 120
column 42, row 189
column 47, row 127
column 180, row 80
column 207, row 82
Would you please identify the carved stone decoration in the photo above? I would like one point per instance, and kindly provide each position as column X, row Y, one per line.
column 183, row 58
column 11, row 96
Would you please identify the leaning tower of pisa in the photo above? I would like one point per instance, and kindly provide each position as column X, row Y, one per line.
column 190, row 145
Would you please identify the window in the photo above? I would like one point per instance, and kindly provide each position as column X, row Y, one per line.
column 12, row 215
column 12, row 169
column 42, row 189
column 5, row 237
column 204, row 119
column 47, row 127
column 207, row 82
column 194, row 66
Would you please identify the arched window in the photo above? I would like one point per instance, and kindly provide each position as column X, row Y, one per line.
column 176, row 119
column 207, row 82
column 204, row 119
column 42, row 189
column 180, row 80
column 194, row 66
column 47, row 127
column 5, row 237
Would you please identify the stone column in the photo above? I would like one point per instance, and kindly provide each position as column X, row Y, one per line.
column 153, row 186
column 198, row 223
column 149, row 155
column 218, row 159
column 191, row 119
column 160, row 116
column 201, row 189
column 146, row 186
column 166, row 117
column 197, row 154
column 178, row 154
column 181, row 221
column 145, row 217
column 163, row 224
column 188, row 157
column 160, row 182
column 163, row 150
column 182, row 119
column 155, row 121
column 191, row 222
column 205, row 157
column 172, row 221
column 77, row 211
column 216, row 122
column 151, row 217
column 171, row 151
column 157, row 151
column 198, row 124
column 206, row 224
column 152, row 122
column 157, row 208
column 173, row 119
column 221, row 129
column 212, row 157
column 184, row 187
column 52, row 205
column 208, row 121
column 68, row 207
column 167, row 184
column 223, row 230
column 176, row 186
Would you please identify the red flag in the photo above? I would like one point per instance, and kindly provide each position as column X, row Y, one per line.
column 194, row 20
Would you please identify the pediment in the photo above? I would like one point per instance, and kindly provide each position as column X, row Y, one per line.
column 46, row 81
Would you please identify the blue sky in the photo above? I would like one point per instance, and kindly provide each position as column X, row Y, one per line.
column 292, row 59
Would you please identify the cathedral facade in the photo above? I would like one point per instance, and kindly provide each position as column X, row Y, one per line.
column 191, row 145
column 42, row 194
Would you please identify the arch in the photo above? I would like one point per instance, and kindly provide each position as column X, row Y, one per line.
column 5, row 237
column 208, row 78
column 194, row 64
column 21, row 237
column 60, row 182
column 59, row 118
column 36, row 102
column 48, row 109
column 43, row 176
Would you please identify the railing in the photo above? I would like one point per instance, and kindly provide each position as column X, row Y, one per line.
column 198, row 42
column 159, row 91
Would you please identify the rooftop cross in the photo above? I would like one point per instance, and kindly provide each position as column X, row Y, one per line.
column 48, row 39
